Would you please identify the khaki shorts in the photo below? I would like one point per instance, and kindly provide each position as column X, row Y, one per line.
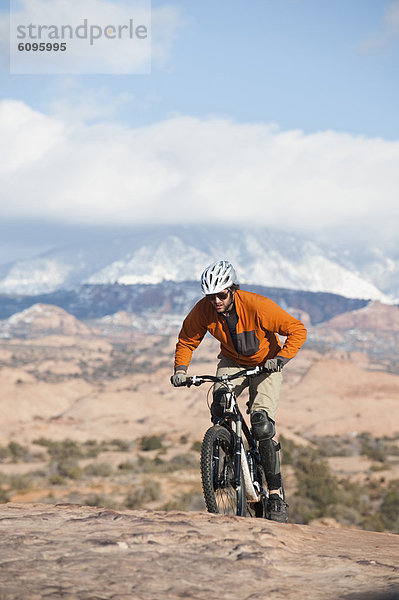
column 264, row 390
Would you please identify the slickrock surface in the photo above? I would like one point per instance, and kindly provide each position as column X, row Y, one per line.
column 83, row 553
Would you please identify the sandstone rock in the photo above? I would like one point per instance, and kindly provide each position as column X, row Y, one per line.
column 83, row 553
column 42, row 318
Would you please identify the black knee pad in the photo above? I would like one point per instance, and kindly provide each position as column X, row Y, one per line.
column 220, row 402
column 270, row 457
column 263, row 430
column 262, row 426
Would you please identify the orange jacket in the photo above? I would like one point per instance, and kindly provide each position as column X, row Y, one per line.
column 259, row 321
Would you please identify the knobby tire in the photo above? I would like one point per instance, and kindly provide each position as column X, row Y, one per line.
column 217, row 472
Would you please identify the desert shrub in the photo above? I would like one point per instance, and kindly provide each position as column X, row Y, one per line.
column 352, row 492
column 302, row 509
column 17, row 452
column 148, row 465
column 348, row 445
column 149, row 491
column 173, row 504
column 334, row 445
column 316, row 485
column 4, row 497
column 70, row 469
column 196, row 446
column 182, row 461
column 98, row 469
column 347, row 515
column 151, row 442
column 383, row 466
column 373, row 522
column 158, row 465
column 56, row 479
column 315, row 481
column 356, row 515
column 320, row 494
column 92, row 448
column 389, row 512
column 20, row 482
column 39, row 473
column 65, row 450
column 393, row 449
column 359, row 505
column 4, row 454
column 291, row 452
column 288, row 448
column 373, row 448
column 192, row 500
column 43, row 441
column 128, row 465
column 144, row 464
column 88, row 449
column 121, row 445
column 100, row 500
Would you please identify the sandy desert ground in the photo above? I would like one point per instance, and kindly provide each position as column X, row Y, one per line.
column 86, row 387
column 91, row 389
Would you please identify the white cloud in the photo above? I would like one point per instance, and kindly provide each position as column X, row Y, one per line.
column 76, row 103
column 387, row 33
column 166, row 21
column 185, row 170
column 391, row 17
column 28, row 137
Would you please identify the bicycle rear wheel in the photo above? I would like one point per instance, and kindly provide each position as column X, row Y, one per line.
column 217, row 473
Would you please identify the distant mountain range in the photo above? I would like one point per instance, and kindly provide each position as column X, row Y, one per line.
column 372, row 329
column 157, row 303
column 262, row 257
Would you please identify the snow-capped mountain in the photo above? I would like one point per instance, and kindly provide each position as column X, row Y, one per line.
column 260, row 256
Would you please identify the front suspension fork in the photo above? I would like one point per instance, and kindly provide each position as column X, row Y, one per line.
column 237, row 453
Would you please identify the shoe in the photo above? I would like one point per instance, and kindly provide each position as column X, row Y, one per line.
column 276, row 509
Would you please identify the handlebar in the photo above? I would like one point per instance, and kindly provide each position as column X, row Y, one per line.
column 200, row 379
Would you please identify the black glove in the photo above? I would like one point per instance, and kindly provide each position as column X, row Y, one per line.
column 178, row 379
column 274, row 364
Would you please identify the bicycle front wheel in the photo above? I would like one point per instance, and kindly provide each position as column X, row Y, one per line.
column 217, row 472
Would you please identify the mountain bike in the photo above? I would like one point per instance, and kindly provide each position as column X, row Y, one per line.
column 233, row 479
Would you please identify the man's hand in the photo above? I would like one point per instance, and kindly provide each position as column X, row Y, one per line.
column 178, row 379
column 274, row 364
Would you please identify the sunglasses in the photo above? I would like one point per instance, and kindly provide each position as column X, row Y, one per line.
column 220, row 295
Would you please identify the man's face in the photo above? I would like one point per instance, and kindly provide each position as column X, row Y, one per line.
column 221, row 301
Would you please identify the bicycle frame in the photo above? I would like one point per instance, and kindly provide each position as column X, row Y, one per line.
column 233, row 415
column 248, row 461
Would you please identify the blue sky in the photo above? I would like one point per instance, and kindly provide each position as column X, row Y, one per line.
column 305, row 84
column 300, row 63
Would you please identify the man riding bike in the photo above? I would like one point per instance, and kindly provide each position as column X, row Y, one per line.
column 246, row 325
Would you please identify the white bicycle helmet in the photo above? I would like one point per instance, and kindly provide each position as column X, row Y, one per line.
column 218, row 277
